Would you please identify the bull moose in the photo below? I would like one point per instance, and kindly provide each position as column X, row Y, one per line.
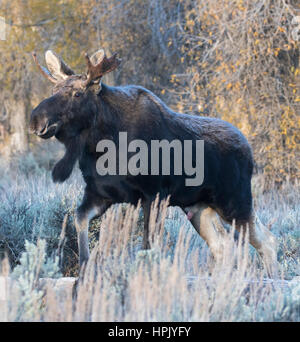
column 83, row 111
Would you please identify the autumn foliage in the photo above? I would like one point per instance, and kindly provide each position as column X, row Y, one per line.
column 235, row 59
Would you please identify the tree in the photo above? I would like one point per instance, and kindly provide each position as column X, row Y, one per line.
column 243, row 65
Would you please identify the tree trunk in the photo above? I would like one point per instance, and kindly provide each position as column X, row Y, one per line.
column 18, row 126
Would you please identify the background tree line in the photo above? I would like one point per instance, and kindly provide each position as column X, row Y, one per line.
column 235, row 59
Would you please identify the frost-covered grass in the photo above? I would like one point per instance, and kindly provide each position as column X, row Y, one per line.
column 174, row 281
column 32, row 207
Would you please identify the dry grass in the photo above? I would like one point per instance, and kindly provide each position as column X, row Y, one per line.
column 174, row 281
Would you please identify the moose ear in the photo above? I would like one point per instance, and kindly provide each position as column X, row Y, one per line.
column 57, row 67
column 97, row 57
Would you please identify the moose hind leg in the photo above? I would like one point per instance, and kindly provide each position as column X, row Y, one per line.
column 208, row 224
column 265, row 243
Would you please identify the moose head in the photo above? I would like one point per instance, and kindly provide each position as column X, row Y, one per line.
column 73, row 98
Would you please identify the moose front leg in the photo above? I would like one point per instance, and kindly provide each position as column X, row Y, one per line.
column 88, row 210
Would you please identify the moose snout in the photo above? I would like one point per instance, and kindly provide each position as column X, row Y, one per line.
column 44, row 119
column 38, row 122
column 39, row 131
column 31, row 130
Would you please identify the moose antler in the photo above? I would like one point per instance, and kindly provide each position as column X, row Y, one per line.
column 42, row 70
column 104, row 66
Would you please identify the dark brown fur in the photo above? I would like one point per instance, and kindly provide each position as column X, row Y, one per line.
column 80, row 116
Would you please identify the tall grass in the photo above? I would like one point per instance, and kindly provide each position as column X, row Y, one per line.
column 176, row 280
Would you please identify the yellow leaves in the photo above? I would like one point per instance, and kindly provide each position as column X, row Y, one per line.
column 287, row 46
column 163, row 91
column 268, row 148
column 179, row 106
column 198, row 88
column 238, row 72
column 232, row 66
column 284, row 131
column 269, row 51
column 190, row 23
column 241, row 7
column 237, row 85
column 276, row 51
column 173, row 78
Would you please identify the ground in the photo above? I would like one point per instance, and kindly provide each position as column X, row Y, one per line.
column 176, row 280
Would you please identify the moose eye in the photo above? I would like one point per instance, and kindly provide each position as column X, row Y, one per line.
column 77, row 94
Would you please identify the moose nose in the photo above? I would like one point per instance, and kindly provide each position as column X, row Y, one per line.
column 38, row 121
column 31, row 130
column 33, row 126
column 43, row 130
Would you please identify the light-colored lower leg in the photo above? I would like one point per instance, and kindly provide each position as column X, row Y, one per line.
column 207, row 223
column 265, row 243
column 82, row 221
